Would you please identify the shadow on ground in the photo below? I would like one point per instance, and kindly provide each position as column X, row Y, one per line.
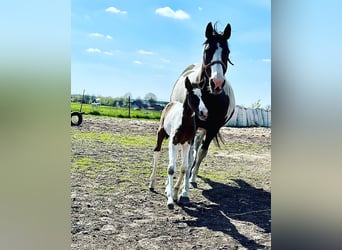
column 240, row 202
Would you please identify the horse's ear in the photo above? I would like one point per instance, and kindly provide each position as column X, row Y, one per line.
column 227, row 32
column 209, row 30
column 188, row 85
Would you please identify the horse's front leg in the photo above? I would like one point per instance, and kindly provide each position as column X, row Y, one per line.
column 183, row 172
column 170, row 172
column 184, row 199
column 201, row 154
column 200, row 133
column 196, row 155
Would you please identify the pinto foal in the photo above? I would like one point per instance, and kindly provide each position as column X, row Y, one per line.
column 178, row 122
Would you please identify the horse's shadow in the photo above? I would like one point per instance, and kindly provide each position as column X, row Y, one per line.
column 240, row 202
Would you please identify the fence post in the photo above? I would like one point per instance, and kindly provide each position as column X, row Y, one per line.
column 129, row 107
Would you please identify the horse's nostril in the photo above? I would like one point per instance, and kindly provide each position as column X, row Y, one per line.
column 204, row 114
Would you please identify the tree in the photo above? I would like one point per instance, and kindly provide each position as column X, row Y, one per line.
column 151, row 98
column 138, row 102
column 256, row 105
column 107, row 100
column 268, row 108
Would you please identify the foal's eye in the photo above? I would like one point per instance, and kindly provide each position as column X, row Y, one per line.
column 196, row 101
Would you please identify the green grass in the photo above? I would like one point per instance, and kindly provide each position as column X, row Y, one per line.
column 121, row 140
column 88, row 109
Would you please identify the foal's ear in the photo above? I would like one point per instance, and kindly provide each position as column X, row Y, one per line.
column 227, row 32
column 209, row 30
column 188, row 84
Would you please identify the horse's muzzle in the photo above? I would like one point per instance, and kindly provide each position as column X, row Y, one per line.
column 203, row 115
column 216, row 88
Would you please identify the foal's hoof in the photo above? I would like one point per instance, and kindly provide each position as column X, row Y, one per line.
column 193, row 184
column 170, row 206
column 151, row 189
column 184, row 200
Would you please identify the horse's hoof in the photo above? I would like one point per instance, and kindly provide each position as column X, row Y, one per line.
column 151, row 189
column 170, row 206
column 193, row 184
column 184, row 200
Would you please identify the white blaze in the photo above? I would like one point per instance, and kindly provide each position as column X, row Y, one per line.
column 202, row 108
column 216, row 69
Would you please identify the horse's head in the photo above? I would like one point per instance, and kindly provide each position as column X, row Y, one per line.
column 194, row 100
column 216, row 57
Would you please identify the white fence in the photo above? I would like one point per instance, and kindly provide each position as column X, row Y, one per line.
column 248, row 117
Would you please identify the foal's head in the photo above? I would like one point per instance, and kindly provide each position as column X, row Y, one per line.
column 216, row 57
column 194, row 100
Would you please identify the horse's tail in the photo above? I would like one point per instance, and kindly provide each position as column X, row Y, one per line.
column 218, row 137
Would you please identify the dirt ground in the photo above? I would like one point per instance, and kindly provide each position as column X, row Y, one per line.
column 112, row 207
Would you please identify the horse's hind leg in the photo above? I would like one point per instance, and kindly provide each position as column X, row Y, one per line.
column 170, row 172
column 160, row 137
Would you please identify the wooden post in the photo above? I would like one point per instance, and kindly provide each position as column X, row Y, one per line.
column 129, row 107
column 82, row 101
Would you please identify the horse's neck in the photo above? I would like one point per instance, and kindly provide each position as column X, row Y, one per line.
column 188, row 113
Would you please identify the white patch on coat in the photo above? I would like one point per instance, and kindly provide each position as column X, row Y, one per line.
column 173, row 119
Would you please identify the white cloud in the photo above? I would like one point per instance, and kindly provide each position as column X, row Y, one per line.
column 115, row 10
column 137, row 62
column 108, row 53
column 266, row 60
column 95, row 34
column 168, row 12
column 200, row 8
column 145, row 52
column 93, row 50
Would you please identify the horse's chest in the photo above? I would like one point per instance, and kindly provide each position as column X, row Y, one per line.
column 217, row 105
column 185, row 133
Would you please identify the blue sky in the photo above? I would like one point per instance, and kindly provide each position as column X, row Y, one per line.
column 142, row 46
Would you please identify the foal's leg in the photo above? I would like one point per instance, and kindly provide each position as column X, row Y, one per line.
column 170, row 172
column 160, row 137
column 184, row 168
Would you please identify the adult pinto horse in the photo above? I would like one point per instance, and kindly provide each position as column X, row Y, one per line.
column 217, row 95
column 178, row 122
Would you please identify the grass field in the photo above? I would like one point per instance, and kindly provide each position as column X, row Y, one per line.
column 115, row 111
